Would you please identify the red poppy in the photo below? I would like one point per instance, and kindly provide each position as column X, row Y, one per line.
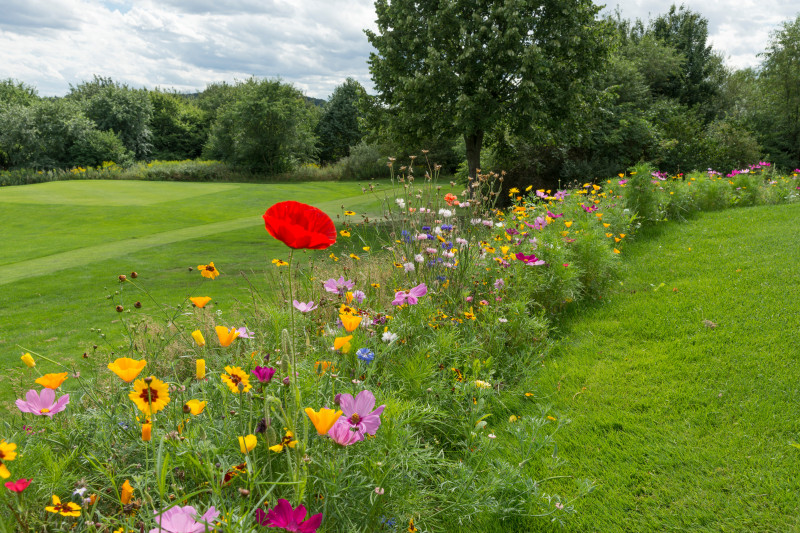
column 300, row 225
column 18, row 485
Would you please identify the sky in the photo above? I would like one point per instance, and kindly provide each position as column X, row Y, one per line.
column 313, row 44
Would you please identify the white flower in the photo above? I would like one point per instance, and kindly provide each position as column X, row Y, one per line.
column 446, row 213
column 449, row 254
column 419, row 258
column 437, row 230
column 475, row 221
column 409, row 267
column 401, row 203
column 499, row 224
column 492, row 436
column 462, row 241
column 388, row 336
column 482, row 384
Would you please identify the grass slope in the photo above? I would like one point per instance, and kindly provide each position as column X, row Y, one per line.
column 64, row 252
column 682, row 385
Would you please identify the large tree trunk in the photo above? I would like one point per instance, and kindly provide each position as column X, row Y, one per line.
column 474, row 141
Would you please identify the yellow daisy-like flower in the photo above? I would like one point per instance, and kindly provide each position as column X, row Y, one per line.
column 333, row 256
column 197, row 335
column 150, row 395
column 226, row 336
column 568, row 224
column 194, row 406
column 350, row 322
column 200, row 301
column 482, row 384
column 528, row 188
column 7, row 453
column 365, row 248
column 288, row 440
column 354, row 256
column 469, row 314
column 126, row 493
column 28, row 360
column 235, row 377
column 324, row 419
column 350, row 213
column 64, row 509
column 209, row 270
column 52, row 381
column 126, row 368
column 344, row 233
column 513, row 190
column 279, row 262
column 375, row 285
column 342, row 343
column 246, row 444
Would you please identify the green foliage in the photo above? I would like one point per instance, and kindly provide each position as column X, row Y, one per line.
column 268, row 127
column 14, row 92
column 178, row 126
column 339, row 127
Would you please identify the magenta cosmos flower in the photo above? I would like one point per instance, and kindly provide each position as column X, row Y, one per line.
column 410, row 296
column 264, row 373
column 289, row 519
column 341, row 433
column 358, row 412
column 43, row 403
column 184, row 520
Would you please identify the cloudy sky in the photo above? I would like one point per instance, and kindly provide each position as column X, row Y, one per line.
column 314, row 44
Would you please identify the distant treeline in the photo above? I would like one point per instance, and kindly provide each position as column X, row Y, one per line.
column 660, row 93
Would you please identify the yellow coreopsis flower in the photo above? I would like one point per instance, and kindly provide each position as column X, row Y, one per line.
column 150, row 395
column 52, row 381
column 208, row 271
column 344, row 233
column 7, row 453
column 288, row 440
column 324, row 419
column 28, row 360
column 194, row 406
column 200, row 370
column 226, row 336
column 197, row 335
column 342, row 343
column 350, row 322
column 279, row 263
column 200, row 301
column 246, row 444
column 469, row 314
column 64, row 509
column 126, row 368
column 234, row 377
column 126, row 493
column 349, row 213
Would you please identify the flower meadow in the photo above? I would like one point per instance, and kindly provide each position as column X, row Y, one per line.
column 368, row 383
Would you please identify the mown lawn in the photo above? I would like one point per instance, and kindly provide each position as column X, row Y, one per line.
column 65, row 243
column 683, row 384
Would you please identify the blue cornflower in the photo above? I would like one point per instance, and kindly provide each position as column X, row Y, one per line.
column 426, row 228
column 447, row 227
column 365, row 354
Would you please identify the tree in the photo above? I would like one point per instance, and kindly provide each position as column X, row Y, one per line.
column 178, row 126
column 16, row 93
column 267, row 126
column 339, row 125
column 446, row 67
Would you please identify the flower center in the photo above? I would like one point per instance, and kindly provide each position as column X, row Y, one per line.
column 44, row 411
column 60, row 508
column 236, row 379
column 355, row 419
column 149, row 395
column 210, row 268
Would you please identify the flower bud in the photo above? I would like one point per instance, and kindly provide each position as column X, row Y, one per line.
column 122, row 278
column 120, row 309
column 134, row 275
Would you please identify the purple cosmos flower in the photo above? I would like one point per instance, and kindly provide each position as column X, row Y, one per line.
column 342, row 433
column 245, row 333
column 553, row 215
column 304, row 307
column 338, row 286
column 529, row 259
column 358, row 412
column 264, row 373
column 359, row 296
column 560, row 195
column 283, row 516
column 499, row 283
column 184, row 520
column 43, row 403
column 410, row 297
column 541, row 194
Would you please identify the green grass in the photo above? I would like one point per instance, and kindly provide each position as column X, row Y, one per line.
column 682, row 383
column 68, row 241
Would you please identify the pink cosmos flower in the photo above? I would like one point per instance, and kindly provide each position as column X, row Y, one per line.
column 338, row 286
column 358, row 412
column 184, row 520
column 529, row 259
column 410, row 296
column 342, row 434
column 553, row 215
column 304, row 307
column 283, row 516
column 43, row 403
column 18, row 485
column 245, row 333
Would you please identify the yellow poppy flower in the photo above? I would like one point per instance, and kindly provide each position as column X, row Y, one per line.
column 194, row 406
column 606, row 224
column 208, row 271
column 197, row 335
column 568, row 224
column 350, row 322
column 127, row 493
column 126, row 368
column 200, row 369
column 354, row 256
column 324, row 419
column 28, row 360
column 288, row 440
column 365, row 248
column 616, row 251
column 342, row 343
column 64, row 509
column 226, row 336
column 147, row 432
column 150, row 395
column 52, row 381
column 200, row 301
column 246, row 444
column 320, row 367
column 234, row 377
column 7, row 453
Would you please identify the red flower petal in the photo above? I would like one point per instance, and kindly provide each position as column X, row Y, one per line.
column 300, row 226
